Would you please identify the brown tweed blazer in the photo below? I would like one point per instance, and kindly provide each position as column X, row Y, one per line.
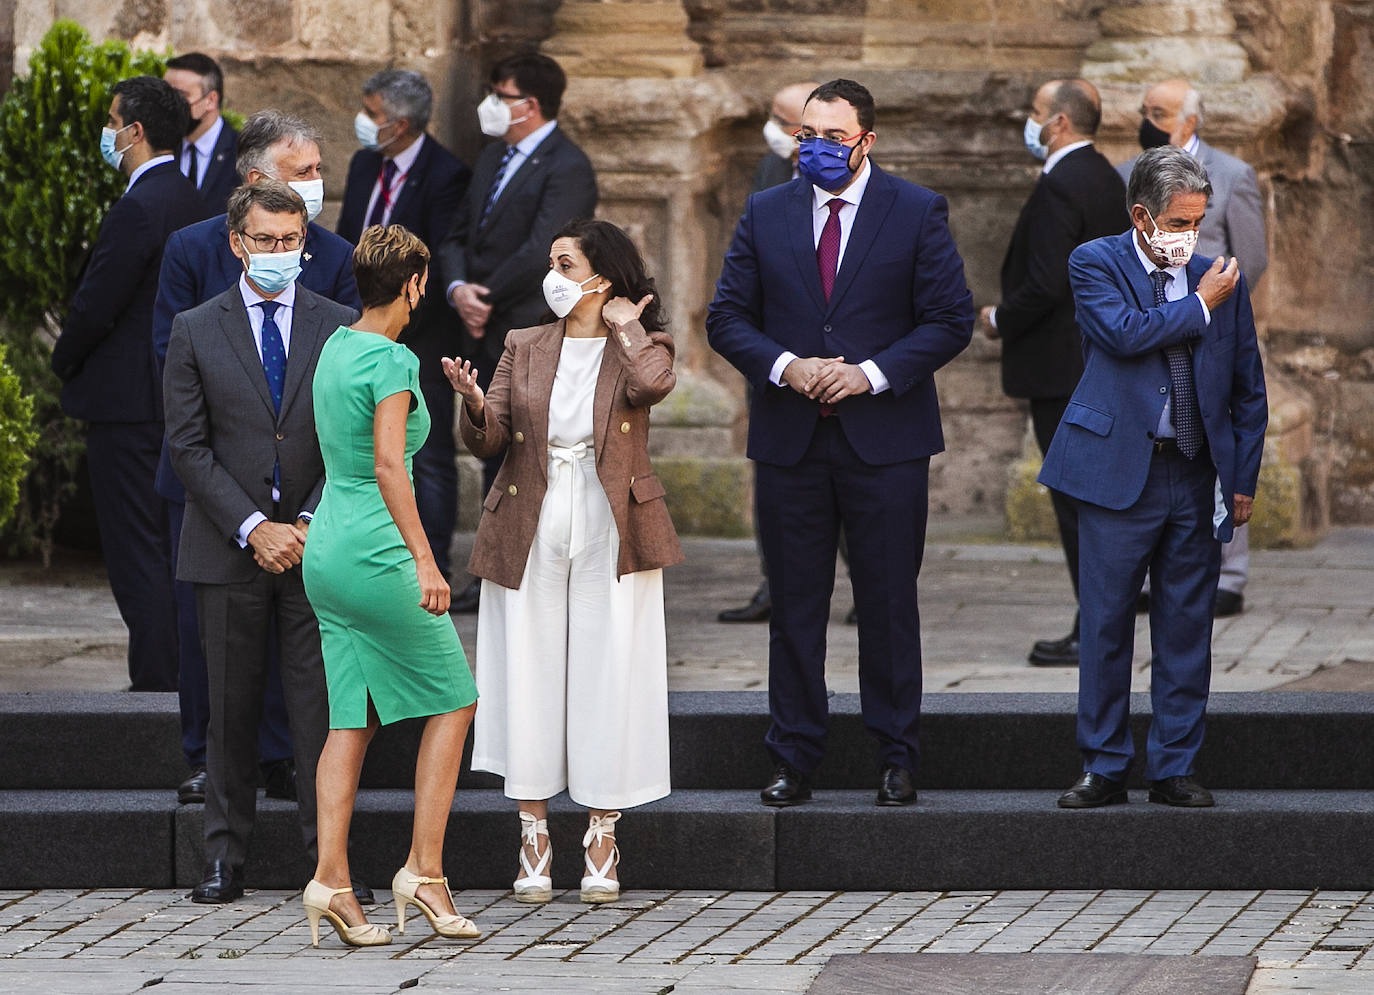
column 636, row 372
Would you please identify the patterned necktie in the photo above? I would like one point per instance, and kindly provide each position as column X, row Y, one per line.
column 495, row 187
column 273, row 353
column 384, row 196
column 828, row 248
column 1183, row 409
column 193, row 172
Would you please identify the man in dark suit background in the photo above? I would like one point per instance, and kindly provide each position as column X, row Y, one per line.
column 1078, row 197
column 241, row 430
column 840, row 296
column 403, row 176
column 109, row 378
column 524, row 188
column 199, row 264
column 1160, row 446
column 207, row 155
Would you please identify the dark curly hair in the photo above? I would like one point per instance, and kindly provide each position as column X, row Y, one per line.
column 613, row 255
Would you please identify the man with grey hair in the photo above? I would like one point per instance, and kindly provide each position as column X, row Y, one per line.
column 1160, row 447
column 1171, row 113
column 241, row 430
column 403, row 176
column 197, row 265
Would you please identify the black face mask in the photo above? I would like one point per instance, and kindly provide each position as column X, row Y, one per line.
column 1150, row 136
column 192, row 125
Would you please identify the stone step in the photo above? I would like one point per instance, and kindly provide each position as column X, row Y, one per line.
column 950, row 841
column 1282, row 740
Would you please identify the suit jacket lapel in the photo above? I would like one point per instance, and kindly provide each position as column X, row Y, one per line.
column 415, row 178
column 543, row 366
column 239, row 334
column 873, row 210
column 1135, row 274
column 607, row 382
column 307, row 335
column 219, row 159
column 536, row 163
column 801, row 233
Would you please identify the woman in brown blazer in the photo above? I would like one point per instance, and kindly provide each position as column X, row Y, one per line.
column 571, row 652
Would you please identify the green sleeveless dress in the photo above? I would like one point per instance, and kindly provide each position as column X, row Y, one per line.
column 378, row 643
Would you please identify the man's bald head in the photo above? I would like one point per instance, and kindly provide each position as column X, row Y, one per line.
column 787, row 105
column 1079, row 102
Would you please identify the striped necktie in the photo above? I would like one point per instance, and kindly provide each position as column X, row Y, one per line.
column 1183, row 408
column 495, row 187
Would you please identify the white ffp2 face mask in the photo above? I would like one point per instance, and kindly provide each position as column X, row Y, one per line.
column 1175, row 246
column 562, row 294
column 494, row 116
column 784, row 146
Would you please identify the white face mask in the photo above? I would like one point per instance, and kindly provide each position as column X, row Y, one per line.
column 1031, row 136
column 1175, row 246
column 562, row 294
column 494, row 116
column 784, row 146
column 312, row 192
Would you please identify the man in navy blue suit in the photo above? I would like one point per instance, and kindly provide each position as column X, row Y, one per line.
column 1160, row 446
column 208, row 152
column 402, row 176
column 109, row 378
column 197, row 265
column 841, row 295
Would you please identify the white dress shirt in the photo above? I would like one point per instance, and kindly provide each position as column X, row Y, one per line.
column 403, row 160
column 205, row 148
column 287, row 300
column 820, row 214
column 1175, row 290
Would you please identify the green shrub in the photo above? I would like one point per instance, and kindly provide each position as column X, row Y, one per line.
column 57, row 190
column 16, row 437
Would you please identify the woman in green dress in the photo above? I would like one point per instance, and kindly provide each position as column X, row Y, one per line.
column 390, row 651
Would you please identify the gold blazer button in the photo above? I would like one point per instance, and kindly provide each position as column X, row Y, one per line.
column 511, row 490
column 519, row 436
column 624, row 428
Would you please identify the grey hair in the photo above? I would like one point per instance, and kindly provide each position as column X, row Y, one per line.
column 405, row 93
column 273, row 196
column 262, row 132
column 1192, row 105
column 1163, row 173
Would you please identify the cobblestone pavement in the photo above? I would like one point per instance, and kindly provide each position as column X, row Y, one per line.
column 117, row 941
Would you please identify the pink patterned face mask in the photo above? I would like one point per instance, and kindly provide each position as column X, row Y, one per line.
column 1175, row 246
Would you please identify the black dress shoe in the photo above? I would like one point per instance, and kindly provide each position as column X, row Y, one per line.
column 221, row 883
column 192, row 790
column 759, row 609
column 1181, row 792
column 1055, row 652
column 853, row 617
column 1093, row 791
column 788, row 787
column 895, row 786
column 1229, row 603
column 467, row 602
column 362, row 892
column 279, row 780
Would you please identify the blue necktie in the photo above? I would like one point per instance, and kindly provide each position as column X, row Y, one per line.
column 274, row 366
column 495, row 187
column 1183, row 409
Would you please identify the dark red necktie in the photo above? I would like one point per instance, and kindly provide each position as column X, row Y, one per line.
column 384, row 195
column 828, row 249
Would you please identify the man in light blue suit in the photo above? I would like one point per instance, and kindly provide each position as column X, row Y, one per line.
column 1160, row 446
column 841, row 295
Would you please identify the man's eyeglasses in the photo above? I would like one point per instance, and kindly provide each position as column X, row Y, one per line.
column 269, row 243
column 807, row 135
column 514, row 97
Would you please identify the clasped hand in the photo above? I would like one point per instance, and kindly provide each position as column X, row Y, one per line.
column 826, row 380
column 277, row 547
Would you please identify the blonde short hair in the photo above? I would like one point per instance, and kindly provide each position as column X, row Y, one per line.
column 385, row 260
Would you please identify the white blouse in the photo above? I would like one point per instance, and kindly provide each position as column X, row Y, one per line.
column 574, row 388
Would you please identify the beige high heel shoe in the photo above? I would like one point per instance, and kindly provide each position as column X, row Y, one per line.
column 597, row 888
column 403, row 887
column 316, row 900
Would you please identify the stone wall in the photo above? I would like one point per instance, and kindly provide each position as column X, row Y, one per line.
column 668, row 97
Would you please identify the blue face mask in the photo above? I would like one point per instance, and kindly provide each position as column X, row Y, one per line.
column 108, row 152
column 1031, row 136
column 824, row 163
column 273, row 272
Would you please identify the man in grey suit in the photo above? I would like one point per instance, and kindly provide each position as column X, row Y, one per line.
column 1171, row 113
column 241, row 433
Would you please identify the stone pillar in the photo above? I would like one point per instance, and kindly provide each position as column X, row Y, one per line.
column 655, row 128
